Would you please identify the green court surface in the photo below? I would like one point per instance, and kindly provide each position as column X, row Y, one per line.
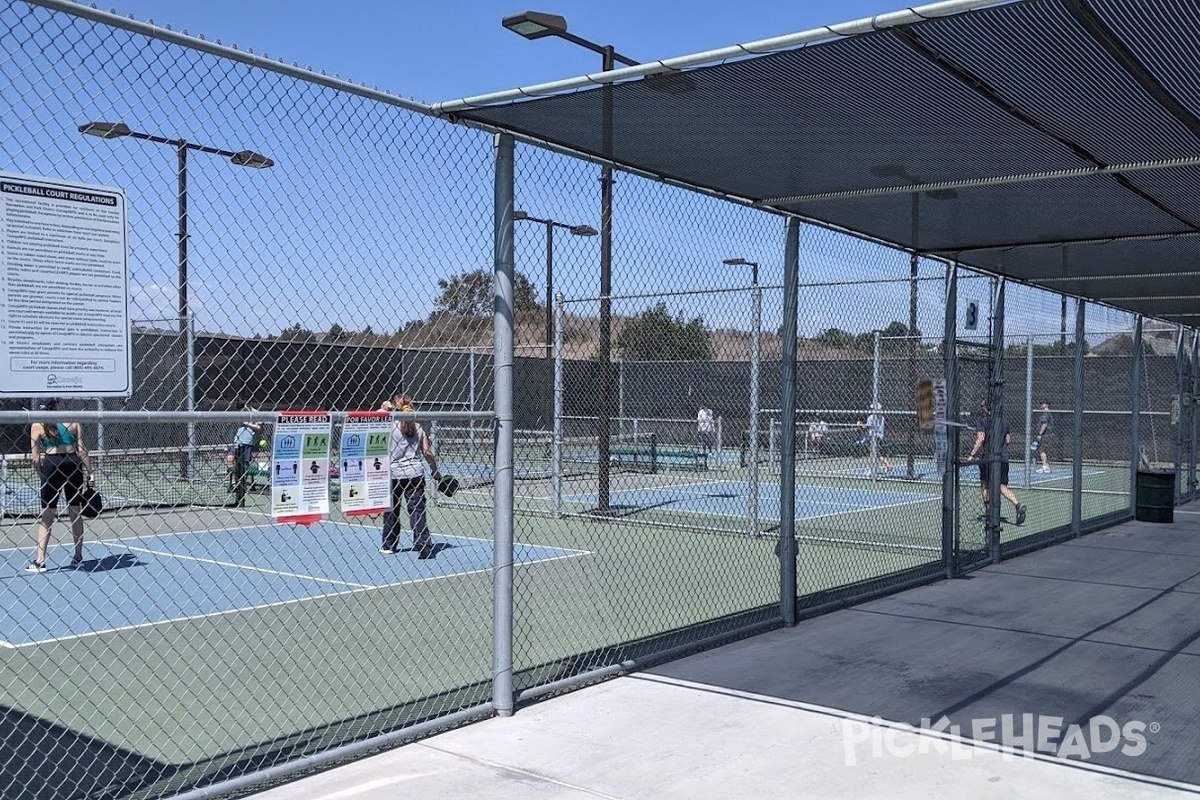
column 354, row 663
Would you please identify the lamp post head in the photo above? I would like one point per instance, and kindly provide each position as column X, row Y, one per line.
column 249, row 158
column 740, row 262
column 535, row 25
column 584, row 230
column 519, row 215
column 105, row 130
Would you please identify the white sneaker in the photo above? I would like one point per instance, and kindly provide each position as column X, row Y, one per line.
column 36, row 567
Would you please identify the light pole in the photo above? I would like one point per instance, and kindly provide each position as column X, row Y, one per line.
column 755, row 344
column 536, row 25
column 574, row 230
column 241, row 158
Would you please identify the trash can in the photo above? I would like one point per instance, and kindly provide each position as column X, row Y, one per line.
column 1155, row 495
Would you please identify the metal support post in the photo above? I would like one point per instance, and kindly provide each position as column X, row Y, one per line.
column 1077, row 428
column 787, row 447
column 1135, row 381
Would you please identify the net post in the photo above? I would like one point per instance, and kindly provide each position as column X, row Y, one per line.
column 653, row 452
column 437, row 457
column 719, row 446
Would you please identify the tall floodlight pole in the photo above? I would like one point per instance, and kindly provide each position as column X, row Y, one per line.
column 241, row 158
column 536, row 25
column 755, row 357
column 574, row 230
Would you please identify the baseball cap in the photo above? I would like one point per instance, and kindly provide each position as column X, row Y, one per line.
column 48, row 404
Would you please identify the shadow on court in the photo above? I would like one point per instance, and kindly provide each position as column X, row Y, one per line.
column 1088, row 650
column 58, row 762
column 110, row 562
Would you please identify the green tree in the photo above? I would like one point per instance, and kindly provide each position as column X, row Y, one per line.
column 296, row 333
column 898, row 329
column 654, row 335
column 469, row 294
column 835, row 337
column 336, row 334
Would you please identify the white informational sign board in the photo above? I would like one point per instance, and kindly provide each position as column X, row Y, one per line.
column 300, row 466
column 366, row 474
column 939, row 401
column 64, row 289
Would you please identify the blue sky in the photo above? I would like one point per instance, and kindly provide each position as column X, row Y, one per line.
column 368, row 206
column 432, row 51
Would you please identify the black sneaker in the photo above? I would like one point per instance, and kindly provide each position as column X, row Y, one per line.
column 36, row 566
column 1021, row 514
column 387, row 551
column 426, row 551
column 76, row 563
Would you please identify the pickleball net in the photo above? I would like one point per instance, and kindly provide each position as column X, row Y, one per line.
column 141, row 477
column 468, row 452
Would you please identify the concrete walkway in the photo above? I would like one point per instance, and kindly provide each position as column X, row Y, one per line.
column 1086, row 653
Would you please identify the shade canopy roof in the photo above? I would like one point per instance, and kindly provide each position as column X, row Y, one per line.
column 1056, row 142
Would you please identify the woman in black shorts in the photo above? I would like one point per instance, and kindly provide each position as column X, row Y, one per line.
column 62, row 460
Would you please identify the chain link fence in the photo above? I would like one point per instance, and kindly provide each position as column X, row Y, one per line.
column 282, row 259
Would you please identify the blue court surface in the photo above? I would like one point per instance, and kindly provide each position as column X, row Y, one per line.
column 927, row 471
column 145, row 580
column 731, row 499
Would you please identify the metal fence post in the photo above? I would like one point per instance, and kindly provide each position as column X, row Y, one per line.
column 1195, row 421
column 787, row 445
column 949, row 365
column 1179, row 393
column 556, row 458
column 1077, row 427
column 502, row 325
column 1028, row 460
column 1135, row 452
column 996, row 446
column 755, row 354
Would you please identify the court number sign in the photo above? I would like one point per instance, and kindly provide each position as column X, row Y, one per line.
column 971, row 315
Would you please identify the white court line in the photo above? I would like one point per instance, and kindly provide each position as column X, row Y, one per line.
column 279, row 604
column 851, row 508
column 248, row 567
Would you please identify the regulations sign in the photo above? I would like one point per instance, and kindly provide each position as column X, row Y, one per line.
column 63, row 250
column 366, row 479
column 300, row 468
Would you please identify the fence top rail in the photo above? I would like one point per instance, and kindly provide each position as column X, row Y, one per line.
column 25, row 416
column 249, row 57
